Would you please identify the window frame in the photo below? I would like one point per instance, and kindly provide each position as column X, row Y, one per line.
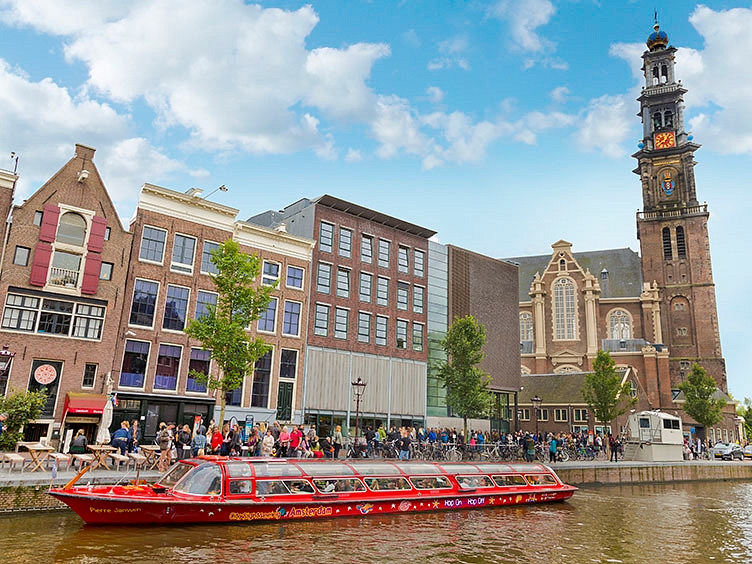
column 155, row 308
column 321, row 320
column 320, row 268
column 141, row 246
column 187, row 300
column 344, row 246
column 288, row 277
column 384, row 253
column 328, row 245
column 212, row 268
column 19, row 249
column 341, row 321
column 364, row 322
column 183, row 267
column 298, row 314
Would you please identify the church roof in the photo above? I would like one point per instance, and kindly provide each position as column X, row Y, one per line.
column 555, row 389
column 622, row 265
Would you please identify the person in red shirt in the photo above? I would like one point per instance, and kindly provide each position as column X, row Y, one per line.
column 295, row 437
column 216, row 440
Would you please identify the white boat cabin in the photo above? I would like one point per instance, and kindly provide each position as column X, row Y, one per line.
column 654, row 436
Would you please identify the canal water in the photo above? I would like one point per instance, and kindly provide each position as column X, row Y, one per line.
column 671, row 524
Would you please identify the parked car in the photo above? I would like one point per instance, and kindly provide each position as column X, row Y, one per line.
column 727, row 451
column 748, row 451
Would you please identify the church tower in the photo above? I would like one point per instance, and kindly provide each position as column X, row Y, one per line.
column 673, row 225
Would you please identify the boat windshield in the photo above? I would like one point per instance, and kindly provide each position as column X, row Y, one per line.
column 205, row 479
column 175, row 474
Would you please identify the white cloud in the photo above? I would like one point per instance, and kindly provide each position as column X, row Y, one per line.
column 452, row 53
column 606, row 124
column 560, row 94
column 353, row 156
column 524, row 17
column 435, row 94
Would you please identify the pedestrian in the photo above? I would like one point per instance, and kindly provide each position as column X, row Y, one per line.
column 552, row 446
column 404, row 446
column 337, row 441
column 198, row 444
column 163, row 441
column 613, row 446
column 529, row 447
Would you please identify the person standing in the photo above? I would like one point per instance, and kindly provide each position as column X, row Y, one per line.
column 163, row 441
column 184, row 443
column 267, row 444
column 404, row 446
column 134, row 436
column 337, row 440
column 552, row 446
column 613, row 446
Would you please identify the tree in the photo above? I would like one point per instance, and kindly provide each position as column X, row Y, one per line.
column 699, row 402
column 223, row 329
column 466, row 384
column 603, row 391
column 745, row 411
column 21, row 408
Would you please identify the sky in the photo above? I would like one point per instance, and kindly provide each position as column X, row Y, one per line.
column 505, row 125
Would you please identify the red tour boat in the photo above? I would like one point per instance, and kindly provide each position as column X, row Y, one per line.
column 227, row 490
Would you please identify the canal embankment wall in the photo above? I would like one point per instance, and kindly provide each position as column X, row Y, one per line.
column 21, row 492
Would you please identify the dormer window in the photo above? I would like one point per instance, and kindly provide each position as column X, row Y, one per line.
column 71, row 230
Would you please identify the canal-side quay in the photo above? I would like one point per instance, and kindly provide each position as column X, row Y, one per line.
column 21, row 492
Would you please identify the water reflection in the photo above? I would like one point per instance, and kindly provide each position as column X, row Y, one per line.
column 684, row 523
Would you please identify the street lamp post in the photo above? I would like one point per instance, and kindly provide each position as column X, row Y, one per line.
column 536, row 401
column 359, row 386
column 6, row 357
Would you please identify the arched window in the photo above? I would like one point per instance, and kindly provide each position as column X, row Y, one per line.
column 664, row 74
column 668, row 119
column 562, row 265
column 667, row 253
column 619, row 325
column 564, row 309
column 526, row 326
column 657, row 121
column 71, row 229
column 565, row 369
column 681, row 246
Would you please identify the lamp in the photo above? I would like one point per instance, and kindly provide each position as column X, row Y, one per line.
column 359, row 387
column 222, row 188
column 536, row 401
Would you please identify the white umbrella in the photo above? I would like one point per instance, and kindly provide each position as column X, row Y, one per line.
column 103, row 434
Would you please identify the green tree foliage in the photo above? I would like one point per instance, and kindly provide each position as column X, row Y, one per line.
column 745, row 411
column 603, row 391
column 699, row 402
column 466, row 384
column 223, row 330
column 21, row 408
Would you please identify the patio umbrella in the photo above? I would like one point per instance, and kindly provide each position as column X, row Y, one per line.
column 103, row 434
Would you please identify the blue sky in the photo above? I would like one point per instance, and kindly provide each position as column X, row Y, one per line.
column 505, row 125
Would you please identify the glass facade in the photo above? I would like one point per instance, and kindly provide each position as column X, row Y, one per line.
column 438, row 313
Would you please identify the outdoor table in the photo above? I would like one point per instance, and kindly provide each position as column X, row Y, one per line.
column 150, row 452
column 100, row 453
column 39, row 454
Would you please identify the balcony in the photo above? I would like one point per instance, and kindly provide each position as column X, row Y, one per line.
column 622, row 345
column 63, row 277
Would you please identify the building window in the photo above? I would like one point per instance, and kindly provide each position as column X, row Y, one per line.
column 207, row 266
column 619, row 325
column 71, row 230
column 324, row 278
column 403, row 295
column 21, row 256
column 294, row 277
column 144, row 303
column 204, row 301
column 561, row 415
column 261, row 379
column 564, row 309
column 681, row 331
column 401, row 334
column 268, row 319
column 37, row 218
column 341, row 321
column 105, row 271
column 270, row 273
column 343, row 283
column 384, row 247
column 152, row 244
column 326, row 237
column 366, row 283
column 345, row 242
column 65, row 269
column 418, row 299
column 419, row 263
column 382, row 328
column 176, row 307
column 134, row 364
column 87, row 324
column 321, row 320
column 107, row 233
column 418, row 332
column 543, row 414
column 55, row 317
column 580, row 415
column 667, row 253
column 288, row 363
column 403, row 259
column 524, row 414
column 366, row 249
column 20, row 312
column 183, row 251
column 233, row 397
column 681, row 246
column 291, row 322
column 90, row 375
column 526, row 326
column 382, row 291
column 168, row 364
column 200, row 363
column 364, row 327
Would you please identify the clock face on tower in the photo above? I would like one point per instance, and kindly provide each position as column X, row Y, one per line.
column 665, row 140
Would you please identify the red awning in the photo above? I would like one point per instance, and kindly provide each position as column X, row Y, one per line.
column 84, row 404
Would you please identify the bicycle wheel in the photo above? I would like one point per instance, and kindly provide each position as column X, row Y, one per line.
column 453, row 455
column 563, row 456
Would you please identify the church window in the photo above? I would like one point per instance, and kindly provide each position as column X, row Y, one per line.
column 664, row 74
column 668, row 119
column 657, row 121
column 681, row 246
column 562, row 265
column 619, row 325
column 564, row 309
column 667, row 253
column 655, row 75
column 632, row 390
column 526, row 326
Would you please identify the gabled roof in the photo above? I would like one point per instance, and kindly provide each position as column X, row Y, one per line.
column 623, row 266
column 555, row 389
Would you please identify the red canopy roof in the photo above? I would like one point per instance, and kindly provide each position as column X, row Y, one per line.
column 84, row 404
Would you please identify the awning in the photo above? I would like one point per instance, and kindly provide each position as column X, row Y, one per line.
column 84, row 404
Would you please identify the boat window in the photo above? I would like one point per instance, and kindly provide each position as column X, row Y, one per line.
column 430, row 483
column 325, row 469
column 206, row 479
column 494, row 468
column 277, row 470
column 459, row 468
column 174, row 475
column 337, row 486
column 509, row 480
column 376, row 468
column 238, row 470
column 420, row 468
column 283, row 487
column 540, row 479
column 387, row 484
column 472, row 482
column 240, row 487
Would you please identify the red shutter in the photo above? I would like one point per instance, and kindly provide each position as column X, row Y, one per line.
column 41, row 264
column 96, row 237
column 48, row 229
column 90, row 282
